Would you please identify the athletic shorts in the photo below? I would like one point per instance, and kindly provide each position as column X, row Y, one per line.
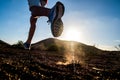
column 37, row 11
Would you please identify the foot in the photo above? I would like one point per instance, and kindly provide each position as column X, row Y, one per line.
column 57, row 28
column 52, row 15
column 55, row 19
column 56, row 12
column 26, row 46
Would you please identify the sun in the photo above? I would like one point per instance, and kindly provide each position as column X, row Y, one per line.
column 72, row 34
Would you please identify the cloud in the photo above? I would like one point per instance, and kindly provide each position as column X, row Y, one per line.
column 118, row 41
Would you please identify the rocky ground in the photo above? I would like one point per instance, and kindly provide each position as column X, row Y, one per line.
column 20, row 64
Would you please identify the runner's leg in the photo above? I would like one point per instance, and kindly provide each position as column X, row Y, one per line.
column 36, row 11
column 32, row 29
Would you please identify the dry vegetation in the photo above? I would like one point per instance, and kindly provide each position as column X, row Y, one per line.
column 53, row 59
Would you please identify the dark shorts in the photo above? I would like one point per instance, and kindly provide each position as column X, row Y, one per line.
column 39, row 11
column 35, row 11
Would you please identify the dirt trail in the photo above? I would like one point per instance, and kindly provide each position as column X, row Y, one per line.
column 19, row 64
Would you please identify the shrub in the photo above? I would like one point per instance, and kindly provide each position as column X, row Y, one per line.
column 118, row 47
column 53, row 48
column 18, row 44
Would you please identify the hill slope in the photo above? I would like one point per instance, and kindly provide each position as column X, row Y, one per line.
column 3, row 44
column 55, row 64
column 62, row 45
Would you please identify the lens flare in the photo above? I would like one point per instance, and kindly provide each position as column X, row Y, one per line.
column 72, row 34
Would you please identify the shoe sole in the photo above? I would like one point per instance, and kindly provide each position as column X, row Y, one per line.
column 57, row 25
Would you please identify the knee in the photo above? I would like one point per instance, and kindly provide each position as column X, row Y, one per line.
column 33, row 20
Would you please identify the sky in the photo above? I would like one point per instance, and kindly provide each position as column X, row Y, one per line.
column 92, row 22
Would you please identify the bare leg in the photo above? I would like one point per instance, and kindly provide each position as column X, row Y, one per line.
column 32, row 29
column 39, row 11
